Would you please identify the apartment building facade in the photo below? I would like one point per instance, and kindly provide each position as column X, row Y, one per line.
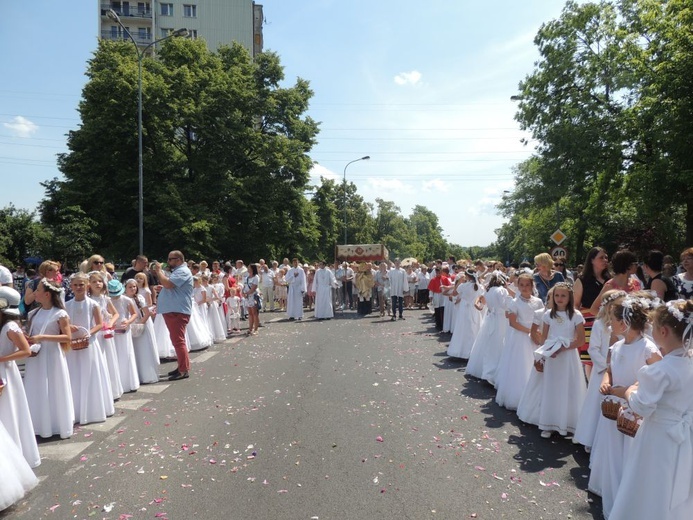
column 216, row 21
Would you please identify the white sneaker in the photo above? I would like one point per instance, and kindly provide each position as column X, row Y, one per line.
column 546, row 434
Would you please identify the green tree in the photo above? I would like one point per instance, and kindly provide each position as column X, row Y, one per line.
column 21, row 236
column 225, row 153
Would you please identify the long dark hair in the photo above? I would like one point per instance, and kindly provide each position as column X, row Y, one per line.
column 588, row 268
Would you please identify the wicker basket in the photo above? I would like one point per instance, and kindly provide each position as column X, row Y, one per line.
column 80, row 339
column 2, row 386
column 628, row 421
column 610, row 407
column 539, row 365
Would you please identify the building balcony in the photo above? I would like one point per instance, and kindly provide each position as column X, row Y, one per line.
column 128, row 11
column 140, row 39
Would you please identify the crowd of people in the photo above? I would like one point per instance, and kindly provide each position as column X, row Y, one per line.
column 555, row 344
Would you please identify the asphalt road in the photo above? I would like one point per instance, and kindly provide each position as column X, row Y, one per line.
column 351, row 418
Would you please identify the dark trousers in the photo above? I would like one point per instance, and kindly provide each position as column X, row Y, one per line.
column 397, row 305
column 176, row 322
column 438, row 315
column 348, row 293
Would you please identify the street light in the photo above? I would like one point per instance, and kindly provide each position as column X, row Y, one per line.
column 140, row 55
column 364, row 158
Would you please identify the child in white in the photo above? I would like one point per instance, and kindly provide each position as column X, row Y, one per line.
column 469, row 324
column 517, row 360
column 14, row 409
column 125, row 350
column 490, row 341
column 610, row 447
column 233, row 318
column 46, row 377
column 555, row 405
column 600, row 341
column 658, row 475
column 109, row 317
column 144, row 344
column 91, row 385
column 17, row 477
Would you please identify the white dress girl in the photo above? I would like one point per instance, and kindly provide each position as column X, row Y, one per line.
column 517, row 360
column 145, row 346
column 610, row 448
column 591, row 408
column 198, row 333
column 552, row 400
column 233, row 316
column 91, row 385
column 17, row 477
column 217, row 323
column 491, row 337
column 469, row 323
column 14, row 409
column 200, row 295
column 47, row 379
column 127, row 366
column 106, row 344
column 657, row 477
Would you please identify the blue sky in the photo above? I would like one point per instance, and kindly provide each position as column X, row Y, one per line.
column 423, row 88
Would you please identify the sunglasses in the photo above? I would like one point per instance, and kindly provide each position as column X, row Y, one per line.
column 98, row 262
column 173, row 258
column 559, row 265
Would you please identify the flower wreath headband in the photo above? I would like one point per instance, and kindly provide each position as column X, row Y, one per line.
column 611, row 298
column 645, row 304
column 686, row 318
column 50, row 287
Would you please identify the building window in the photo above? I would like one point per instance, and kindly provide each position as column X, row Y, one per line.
column 166, row 32
column 166, row 9
column 145, row 34
column 189, row 11
column 192, row 34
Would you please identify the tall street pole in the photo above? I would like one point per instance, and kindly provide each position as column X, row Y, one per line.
column 140, row 164
column 364, row 158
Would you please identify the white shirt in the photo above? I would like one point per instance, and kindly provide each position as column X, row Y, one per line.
column 267, row 278
column 398, row 282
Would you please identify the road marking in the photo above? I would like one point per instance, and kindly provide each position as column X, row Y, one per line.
column 63, row 451
column 204, row 357
column 132, row 404
column 153, row 389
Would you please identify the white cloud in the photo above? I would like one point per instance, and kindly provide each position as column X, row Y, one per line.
column 387, row 187
column 22, row 127
column 435, row 185
column 318, row 171
column 408, row 78
column 486, row 205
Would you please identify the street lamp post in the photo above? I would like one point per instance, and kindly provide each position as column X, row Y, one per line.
column 364, row 158
column 140, row 167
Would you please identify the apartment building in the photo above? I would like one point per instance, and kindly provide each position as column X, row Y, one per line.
column 216, row 21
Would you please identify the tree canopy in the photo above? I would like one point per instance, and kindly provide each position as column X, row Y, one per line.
column 609, row 105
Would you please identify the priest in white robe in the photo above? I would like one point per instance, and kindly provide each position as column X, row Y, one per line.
column 323, row 283
column 296, row 279
column 398, row 286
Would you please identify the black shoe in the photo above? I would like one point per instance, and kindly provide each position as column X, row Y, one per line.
column 179, row 375
column 401, row 317
column 393, row 319
column 174, row 372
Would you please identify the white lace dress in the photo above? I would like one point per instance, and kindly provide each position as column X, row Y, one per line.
column 107, row 345
column 91, row 385
column 517, row 360
column 47, row 379
column 17, row 477
column 125, row 350
column 14, row 409
column 553, row 399
column 145, row 346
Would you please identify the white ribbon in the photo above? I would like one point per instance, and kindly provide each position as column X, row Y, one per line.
column 552, row 346
column 680, row 431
